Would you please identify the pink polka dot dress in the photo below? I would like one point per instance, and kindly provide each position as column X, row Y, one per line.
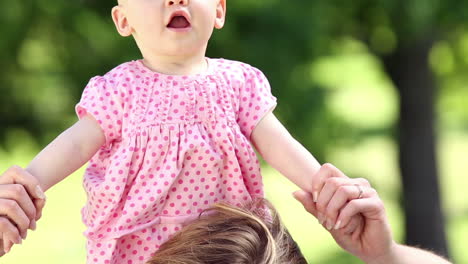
column 174, row 146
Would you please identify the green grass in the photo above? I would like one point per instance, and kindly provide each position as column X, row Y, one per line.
column 59, row 239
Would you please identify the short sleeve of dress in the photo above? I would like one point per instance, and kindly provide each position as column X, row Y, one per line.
column 104, row 103
column 255, row 102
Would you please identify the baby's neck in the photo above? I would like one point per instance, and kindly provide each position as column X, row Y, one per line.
column 171, row 65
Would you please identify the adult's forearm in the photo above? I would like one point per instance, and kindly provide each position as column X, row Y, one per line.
column 401, row 254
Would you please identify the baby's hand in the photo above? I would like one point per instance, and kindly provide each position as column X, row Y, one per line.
column 21, row 203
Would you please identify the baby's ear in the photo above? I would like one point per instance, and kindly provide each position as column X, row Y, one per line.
column 121, row 21
column 220, row 14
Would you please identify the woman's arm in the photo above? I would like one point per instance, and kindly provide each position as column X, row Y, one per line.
column 371, row 240
column 67, row 153
column 401, row 254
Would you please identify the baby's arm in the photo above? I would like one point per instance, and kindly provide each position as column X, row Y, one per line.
column 290, row 158
column 284, row 153
column 63, row 156
column 68, row 152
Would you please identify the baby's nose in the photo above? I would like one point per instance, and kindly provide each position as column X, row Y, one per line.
column 176, row 2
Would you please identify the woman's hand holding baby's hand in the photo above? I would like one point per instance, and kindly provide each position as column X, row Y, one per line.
column 352, row 211
column 326, row 181
column 21, row 203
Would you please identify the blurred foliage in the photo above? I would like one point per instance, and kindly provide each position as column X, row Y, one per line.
column 321, row 48
column 53, row 48
column 323, row 59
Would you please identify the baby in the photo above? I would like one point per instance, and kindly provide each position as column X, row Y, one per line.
column 170, row 134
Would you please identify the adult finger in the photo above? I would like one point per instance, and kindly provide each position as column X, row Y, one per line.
column 341, row 196
column 17, row 193
column 371, row 207
column 327, row 193
column 15, row 214
column 352, row 226
column 2, row 251
column 3, row 243
column 362, row 182
column 7, row 244
column 17, row 175
column 326, row 171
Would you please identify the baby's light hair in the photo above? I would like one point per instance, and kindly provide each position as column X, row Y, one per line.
column 226, row 234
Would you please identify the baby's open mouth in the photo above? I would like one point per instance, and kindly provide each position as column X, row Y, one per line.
column 178, row 22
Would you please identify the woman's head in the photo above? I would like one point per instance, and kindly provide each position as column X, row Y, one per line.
column 169, row 27
column 227, row 234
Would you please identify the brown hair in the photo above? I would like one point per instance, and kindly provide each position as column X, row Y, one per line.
column 228, row 234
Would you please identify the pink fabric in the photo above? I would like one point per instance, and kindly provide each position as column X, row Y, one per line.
column 174, row 146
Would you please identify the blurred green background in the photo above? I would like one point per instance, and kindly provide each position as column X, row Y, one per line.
column 346, row 73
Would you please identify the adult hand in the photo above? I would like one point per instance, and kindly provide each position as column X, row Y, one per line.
column 322, row 190
column 339, row 200
column 21, row 203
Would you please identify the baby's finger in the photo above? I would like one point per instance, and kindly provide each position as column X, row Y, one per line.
column 326, row 171
column 17, row 193
column 11, row 209
column 16, row 174
column 306, row 199
column 40, row 203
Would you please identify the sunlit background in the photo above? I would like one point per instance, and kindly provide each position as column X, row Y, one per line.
column 326, row 61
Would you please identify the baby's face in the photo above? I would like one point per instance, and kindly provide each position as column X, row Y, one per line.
column 169, row 27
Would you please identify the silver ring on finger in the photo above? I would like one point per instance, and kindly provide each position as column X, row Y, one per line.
column 360, row 190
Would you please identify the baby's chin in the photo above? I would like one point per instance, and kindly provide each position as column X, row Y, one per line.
column 183, row 47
